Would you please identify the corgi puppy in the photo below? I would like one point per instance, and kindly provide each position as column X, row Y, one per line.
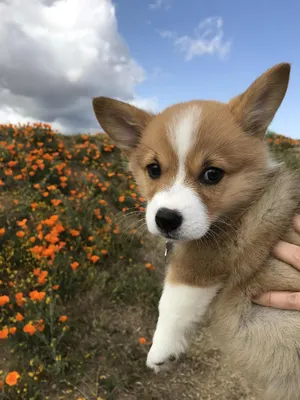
column 213, row 190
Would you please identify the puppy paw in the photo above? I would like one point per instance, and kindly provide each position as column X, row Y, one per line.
column 163, row 353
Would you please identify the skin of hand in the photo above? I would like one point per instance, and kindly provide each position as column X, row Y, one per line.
column 289, row 254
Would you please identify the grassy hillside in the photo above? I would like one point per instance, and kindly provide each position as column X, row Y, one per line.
column 80, row 276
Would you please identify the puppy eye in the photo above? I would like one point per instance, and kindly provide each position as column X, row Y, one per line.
column 211, row 176
column 154, row 170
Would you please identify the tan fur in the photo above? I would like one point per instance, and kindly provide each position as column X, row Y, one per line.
column 250, row 210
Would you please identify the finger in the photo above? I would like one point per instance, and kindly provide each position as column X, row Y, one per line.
column 282, row 300
column 296, row 223
column 288, row 253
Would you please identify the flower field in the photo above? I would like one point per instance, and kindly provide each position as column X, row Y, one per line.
column 285, row 149
column 79, row 282
column 58, row 235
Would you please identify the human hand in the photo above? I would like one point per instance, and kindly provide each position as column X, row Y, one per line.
column 290, row 254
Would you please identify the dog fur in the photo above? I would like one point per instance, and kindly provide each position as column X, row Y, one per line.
column 222, row 254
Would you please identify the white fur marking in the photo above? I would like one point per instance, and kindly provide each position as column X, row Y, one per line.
column 180, row 308
column 185, row 200
column 182, row 132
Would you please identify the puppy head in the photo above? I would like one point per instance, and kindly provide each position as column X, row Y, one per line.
column 196, row 161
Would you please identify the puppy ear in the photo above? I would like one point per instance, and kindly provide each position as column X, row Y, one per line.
column 256, row 107
column 123, row 122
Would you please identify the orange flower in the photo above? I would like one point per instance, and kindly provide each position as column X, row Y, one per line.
column 4, row 333
column 39, row 228
column 74, row 232
column 18, row 177
column 105, row 252
column 94, row 259
column 20, row 299
column 12, row 163
column 74, row 265
column 63, row 318
column 121, row 199
column 36, row 250
column 19, row 317
column 150, row 266
column 48, row 157
column 40, row 325
column 20, row 234
column 59, row 228
column 51, row 221
column 22, row 223
column 4, row 300
column 37, row 296
column 49, row 251
column 34, row 206
column 55, row 287
column 46, row 194
column 51, row 187
column 142, row 340
column 36, row 271
column 117, row 230
column 12, row 330
column 30, row 329
column 12, row 378
column 8, row 172
column 2, row 231
column 42, row 279
column 55, row 202
column 52, row 237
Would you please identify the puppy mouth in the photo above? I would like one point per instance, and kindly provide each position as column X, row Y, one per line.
column 170, row 236
column 174, row 236
column 179, row 236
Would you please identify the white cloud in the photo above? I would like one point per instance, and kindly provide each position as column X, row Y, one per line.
column 168, row 34
column 146, row 104
column 56, row 55
column 207, row 38
column 158, row 4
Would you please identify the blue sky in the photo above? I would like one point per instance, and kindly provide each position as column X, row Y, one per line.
column 56, row 55
column 256, row 35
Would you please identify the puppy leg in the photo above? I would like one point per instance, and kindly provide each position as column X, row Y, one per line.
column 180, row 308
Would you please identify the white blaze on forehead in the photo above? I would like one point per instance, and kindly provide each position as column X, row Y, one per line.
column 182, row 131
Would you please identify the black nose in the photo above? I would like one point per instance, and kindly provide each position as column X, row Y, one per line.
column 168, row 220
